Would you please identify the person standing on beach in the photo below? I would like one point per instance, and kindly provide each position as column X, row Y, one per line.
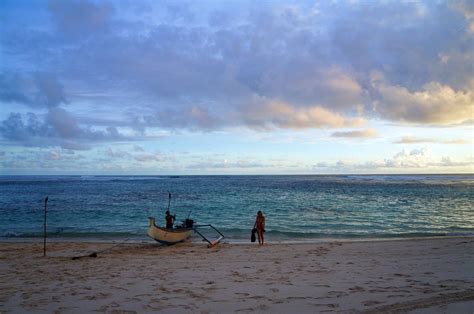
column 260, row 226
column 169, row 220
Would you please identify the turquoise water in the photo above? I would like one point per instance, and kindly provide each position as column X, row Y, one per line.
column 296, row 207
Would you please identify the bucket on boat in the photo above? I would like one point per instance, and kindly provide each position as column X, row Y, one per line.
column 189, row 223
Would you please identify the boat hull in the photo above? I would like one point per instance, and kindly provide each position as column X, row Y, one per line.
column 167, row 236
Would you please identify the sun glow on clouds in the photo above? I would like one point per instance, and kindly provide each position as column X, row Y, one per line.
column 282, row 115
column 367, row 133
column 178, row 87
column 434, row 104
column 418, row 140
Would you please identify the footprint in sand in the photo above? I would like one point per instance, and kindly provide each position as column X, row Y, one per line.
column 356, row 289
column 401, row 275
column 396, row 296
column 163, row 289
column 122, row 312
column 332, row 305
column 371, row 302
column 336, row 294
column 248, row 309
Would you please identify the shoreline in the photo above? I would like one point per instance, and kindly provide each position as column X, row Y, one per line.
column 434, row 275
column 196, row 240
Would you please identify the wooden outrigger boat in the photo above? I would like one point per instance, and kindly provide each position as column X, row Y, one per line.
column 179, row 234
column 167, row 236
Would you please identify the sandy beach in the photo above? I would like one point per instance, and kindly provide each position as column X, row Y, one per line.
column 416, row 275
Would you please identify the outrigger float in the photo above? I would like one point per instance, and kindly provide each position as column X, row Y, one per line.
column 180, row 233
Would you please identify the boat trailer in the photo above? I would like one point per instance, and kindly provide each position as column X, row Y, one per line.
column 210, row 243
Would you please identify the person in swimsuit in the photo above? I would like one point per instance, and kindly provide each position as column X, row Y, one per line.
column 169, row 220
column 260, row 226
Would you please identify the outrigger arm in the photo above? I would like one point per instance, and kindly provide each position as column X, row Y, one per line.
column 211, row 243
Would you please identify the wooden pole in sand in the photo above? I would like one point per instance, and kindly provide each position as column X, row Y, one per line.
column 169, row 200
column 44, row 225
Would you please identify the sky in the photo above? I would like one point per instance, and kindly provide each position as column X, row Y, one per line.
column 236, row 87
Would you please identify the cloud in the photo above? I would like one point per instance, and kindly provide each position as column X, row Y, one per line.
column 137, row 153
column 448, row 162
column 13, row 89
column 303, row 83
column 419, row 159
column 194, row 118
column 225, row 164
column 138, row 148
column 80, row 17
column 13, row 128
column 59, row 159
column 435, row 104
column 54, row 155
column 64, row 124
column 50, row 91
column 58, row 128
column 366, row 133
column 466, row 8
column 271, row 65
column 69, row 145
column 37, row 90
column 147, row 157
column 419, row 140
column 282, row 115
column 416, row 158
column 117, row 153
column 400, row 47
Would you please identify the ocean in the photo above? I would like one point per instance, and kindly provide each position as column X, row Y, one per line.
column 297, row 208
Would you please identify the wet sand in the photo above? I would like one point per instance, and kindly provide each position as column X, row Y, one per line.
column 414, row 275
